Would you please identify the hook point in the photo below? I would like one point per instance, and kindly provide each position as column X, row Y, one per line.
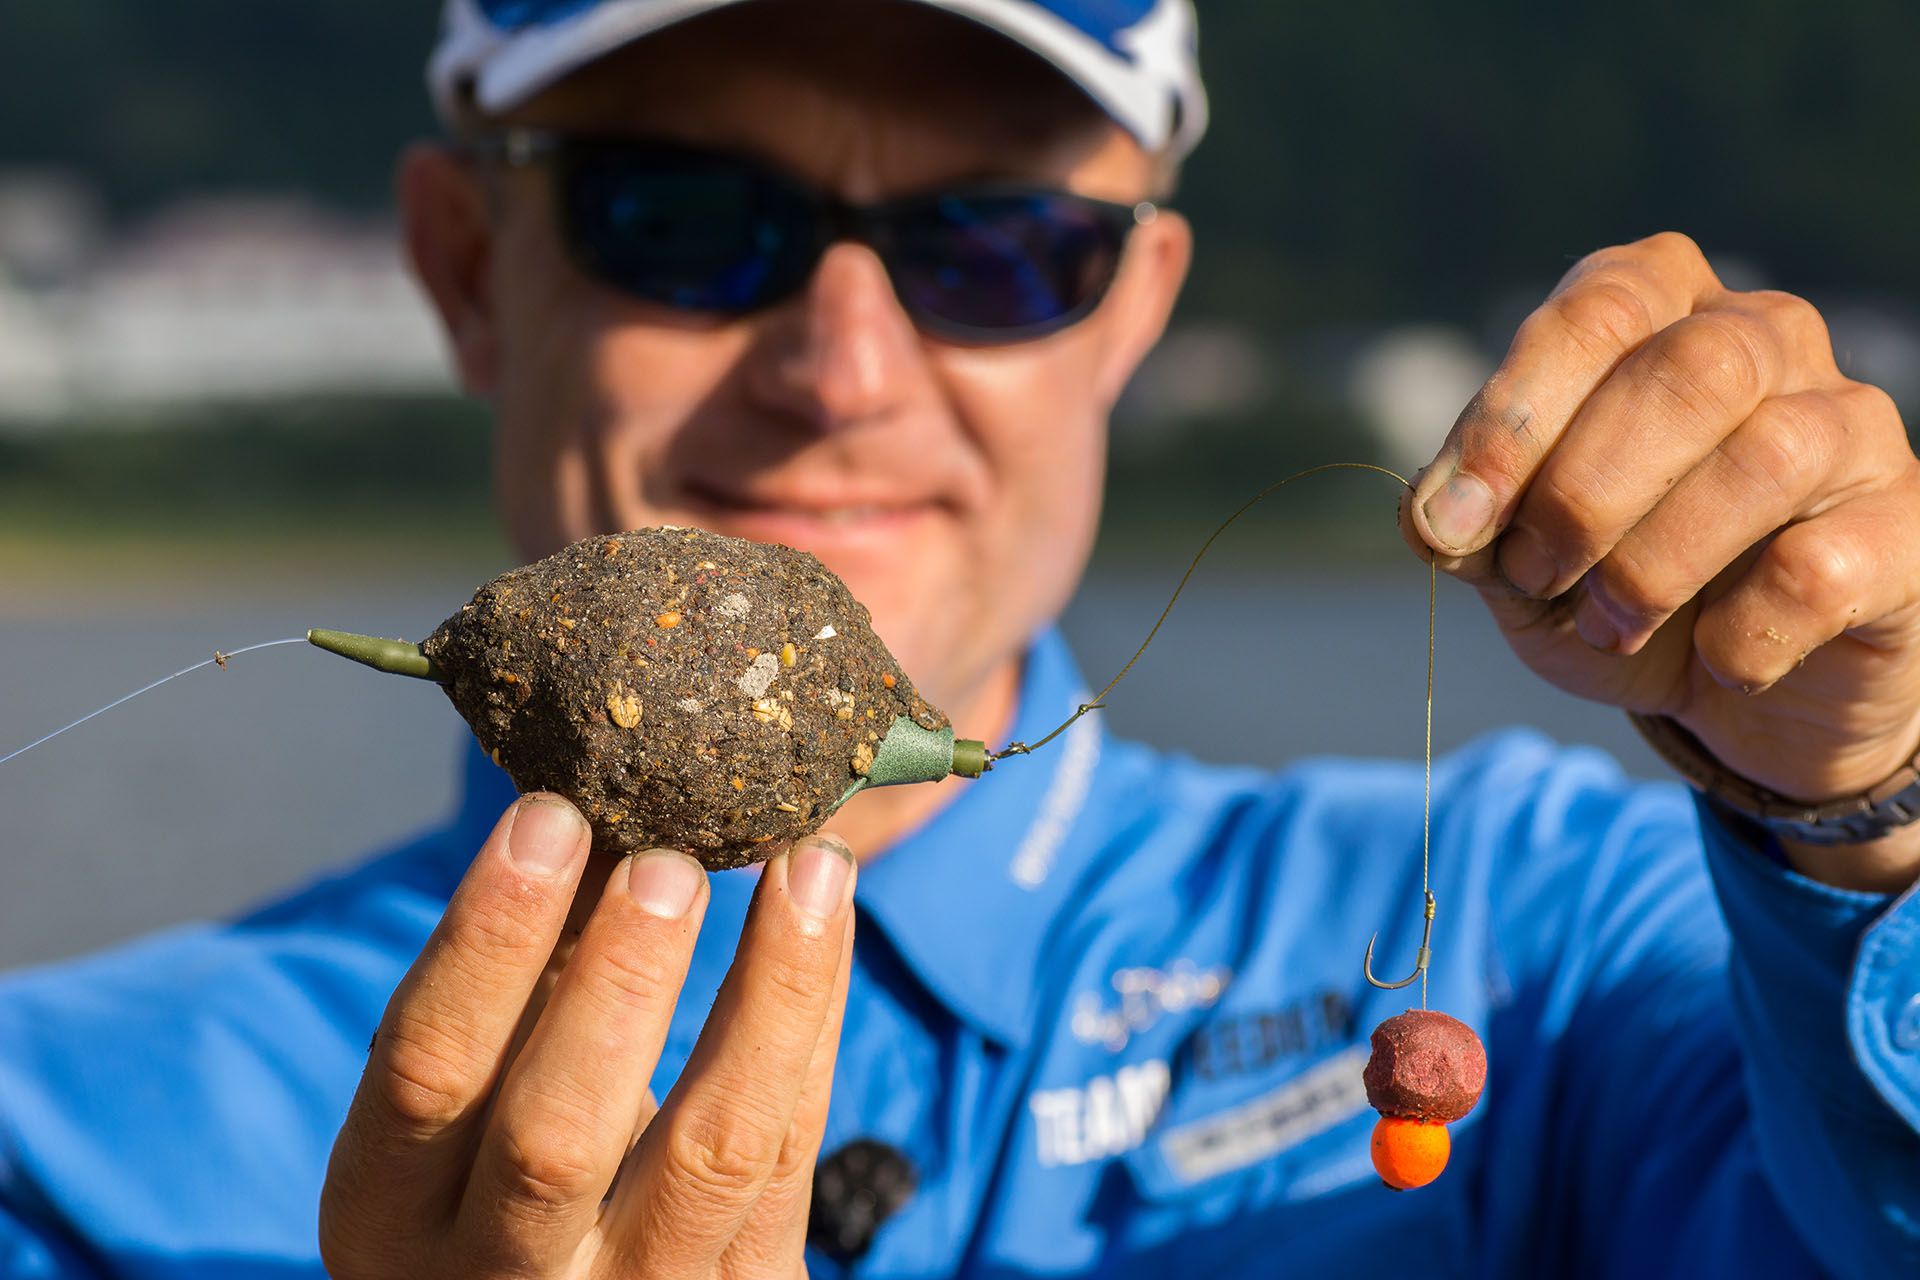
column 1422, row 958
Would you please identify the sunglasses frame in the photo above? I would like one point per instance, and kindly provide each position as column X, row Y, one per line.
column 835, row 221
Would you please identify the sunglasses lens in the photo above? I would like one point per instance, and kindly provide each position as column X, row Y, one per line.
column 702, row 232
column 1003, row 264
column 686, row 231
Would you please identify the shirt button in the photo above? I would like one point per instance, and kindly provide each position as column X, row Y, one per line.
column 1906, row 1026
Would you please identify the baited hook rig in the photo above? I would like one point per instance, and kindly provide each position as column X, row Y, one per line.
column 1422, row 958
column 1426, row 1071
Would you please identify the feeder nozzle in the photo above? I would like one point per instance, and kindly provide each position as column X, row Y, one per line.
column 910, row 753
column 396, row 657
column 970, row 757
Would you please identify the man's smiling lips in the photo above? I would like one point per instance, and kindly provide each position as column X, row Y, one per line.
column 820, row 520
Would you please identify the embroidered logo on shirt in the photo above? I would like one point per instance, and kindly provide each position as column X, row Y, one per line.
column 1248, row 1041
column 1311, row 1103
column 1145, row 995
column 1105, row 1117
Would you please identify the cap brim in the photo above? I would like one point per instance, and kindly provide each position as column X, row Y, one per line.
column 496, row 71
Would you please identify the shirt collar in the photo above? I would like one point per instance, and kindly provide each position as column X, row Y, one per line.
column 967, row 899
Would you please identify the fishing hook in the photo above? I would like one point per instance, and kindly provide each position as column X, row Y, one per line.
column 1422, row 958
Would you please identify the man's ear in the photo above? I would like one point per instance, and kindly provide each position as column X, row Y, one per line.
column 449, row 236
column 1158, row 255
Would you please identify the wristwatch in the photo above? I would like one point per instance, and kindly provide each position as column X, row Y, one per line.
column 1892, row 804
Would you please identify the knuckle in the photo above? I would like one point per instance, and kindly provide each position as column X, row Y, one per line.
column 634, row 971
column 1795, row 317
column 1738, row 662
column 797, row 1151
column 1647, row 257
column 1611, row 257
column 1675, row 245
column 1872, row 407
column 1570, row 514
column 1820, row 572
column 491, row 930
column 426, row 1082
column 1638, row 591
column 804, row 982
column 1712, row 357
column 722, row 1160
column 1498, row 433
column 1794, row 438
column 544, row 1167
column 1605, row 313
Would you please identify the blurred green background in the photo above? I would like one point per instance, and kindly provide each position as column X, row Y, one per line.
column 1386, row 189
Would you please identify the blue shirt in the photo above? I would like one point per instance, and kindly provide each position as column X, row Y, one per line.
column 1109, row 1002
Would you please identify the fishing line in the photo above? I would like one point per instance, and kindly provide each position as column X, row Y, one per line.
column 219, row 659
column 412, row 662
column 1424, row 955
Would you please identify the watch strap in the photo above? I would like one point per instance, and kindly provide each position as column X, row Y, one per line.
column 1856, row 819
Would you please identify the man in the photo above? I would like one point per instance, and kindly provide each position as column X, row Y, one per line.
column 761, row 267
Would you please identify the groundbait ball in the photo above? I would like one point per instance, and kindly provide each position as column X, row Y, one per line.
column 683, row 689
column 1425, row 1072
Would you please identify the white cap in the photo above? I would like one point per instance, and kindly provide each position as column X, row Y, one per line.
column 1137, row 58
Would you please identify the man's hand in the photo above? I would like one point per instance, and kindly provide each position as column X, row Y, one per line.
column 497, row 1134
column 1674, row 502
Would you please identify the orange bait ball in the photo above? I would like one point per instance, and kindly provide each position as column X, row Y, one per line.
column 1409, row 1153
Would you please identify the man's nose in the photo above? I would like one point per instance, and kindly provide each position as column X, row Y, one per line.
column 843, row 351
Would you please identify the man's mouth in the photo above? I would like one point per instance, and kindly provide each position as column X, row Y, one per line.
column 800, row 517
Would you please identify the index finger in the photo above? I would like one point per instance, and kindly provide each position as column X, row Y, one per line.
column 1600, row 313
column 445, row 1034
column 704, row 1161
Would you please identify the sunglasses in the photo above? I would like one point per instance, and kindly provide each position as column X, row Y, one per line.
column 978, row 263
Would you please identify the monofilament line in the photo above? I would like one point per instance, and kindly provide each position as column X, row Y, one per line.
column 1426, row 790
column 1426, row 778
column 1099, row 699
column 219, row 658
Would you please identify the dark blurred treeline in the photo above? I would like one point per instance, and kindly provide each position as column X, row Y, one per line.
column 1372, row 161
column 1380, row 159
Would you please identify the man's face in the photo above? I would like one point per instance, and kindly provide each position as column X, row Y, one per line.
column 956, row 489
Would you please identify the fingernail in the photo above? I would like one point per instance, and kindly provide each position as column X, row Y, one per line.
column 818, row 872
column 545, row 836
column 1591, row 621
column 664, row 883
column 1460, row 511
column 1525, row 564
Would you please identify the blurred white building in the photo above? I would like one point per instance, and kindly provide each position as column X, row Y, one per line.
column 214, row 300
column 1410, row 384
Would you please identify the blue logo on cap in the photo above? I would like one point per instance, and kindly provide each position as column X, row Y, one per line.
column 1103, row 20
column 518, row 15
